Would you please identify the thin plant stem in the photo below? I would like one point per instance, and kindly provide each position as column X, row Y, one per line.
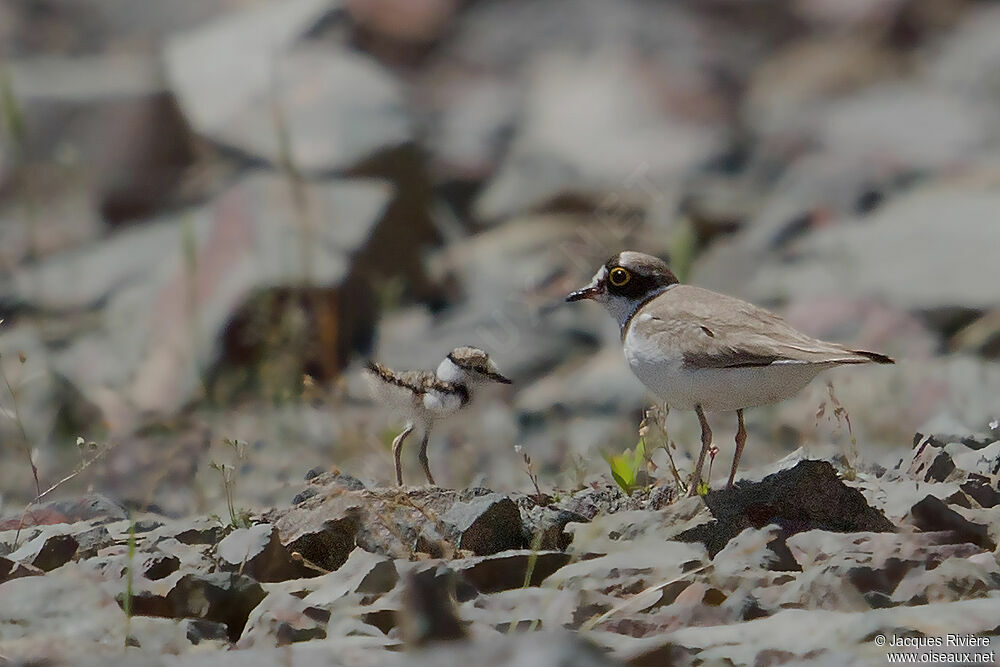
column 127, row 602
column 25, row 441
column 83, row 466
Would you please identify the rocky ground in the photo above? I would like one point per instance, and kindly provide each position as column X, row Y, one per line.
column 213, row 211
column 811, row 563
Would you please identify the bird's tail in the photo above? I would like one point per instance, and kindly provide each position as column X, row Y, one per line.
column 875, row 356
column 378, row 370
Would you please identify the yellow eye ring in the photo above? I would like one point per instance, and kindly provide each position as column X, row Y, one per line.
column 619, row 276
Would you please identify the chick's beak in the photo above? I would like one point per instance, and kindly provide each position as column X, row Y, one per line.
column 493, row 373
column 496, row 377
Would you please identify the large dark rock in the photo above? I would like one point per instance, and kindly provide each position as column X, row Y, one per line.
column 486, row 525
column 807, row 497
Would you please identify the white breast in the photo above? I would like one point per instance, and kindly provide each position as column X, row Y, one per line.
column 440, row 403
column 662, row 370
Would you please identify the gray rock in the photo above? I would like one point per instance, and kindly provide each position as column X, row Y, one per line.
column 112, row 115
column 815, row 547
column 953, row 580
column 915, row 126
column 92, row 26
column 982, row 461
column 863, row 570
column 91, row 536
column 982, row 491
column 932, row 464
column 199, row 631
column 807, row 74
column 966, row 60
column 257, row 552
column 400, row 523
column 195, row 557
column 988, row 517
column 545, row 607
column 763, row 549
column 556, row 150
column 194, row 532
column 91, row 540
column 10, row 569
column 630, row 569
column 621, row 529
column 94, row 508
column 537, row 649
column 895, row 499
column 256, row 68
column 931, row 514
column 509, row 569
column 868, row 260
column 176, row 636
column 324, row 535
column 486, row 525
column 547, row 525
column 158, row 565
column 47, row 552
column 218, row 597
column 791, row 634
column 281, row 619
column 58, row 616
column 242, row 46
column 465, row 134
column 362, row 573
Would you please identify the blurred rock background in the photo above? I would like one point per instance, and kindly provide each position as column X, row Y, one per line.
column 212, row 211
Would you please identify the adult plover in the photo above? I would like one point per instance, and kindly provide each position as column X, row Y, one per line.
column 422, row 396
column 698, row 349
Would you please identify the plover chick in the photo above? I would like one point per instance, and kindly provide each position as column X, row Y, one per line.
column 422, row 397
column 697, row 349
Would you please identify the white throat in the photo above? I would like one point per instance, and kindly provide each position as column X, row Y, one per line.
column 623, row 309
column 449, row 371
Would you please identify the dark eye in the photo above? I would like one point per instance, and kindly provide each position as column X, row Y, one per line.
column 619, row 276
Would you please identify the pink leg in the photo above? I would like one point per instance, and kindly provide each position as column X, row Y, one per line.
column 706, row 443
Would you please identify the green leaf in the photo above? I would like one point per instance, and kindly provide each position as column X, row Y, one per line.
column 623, row 470
column 622, row 484
column 639, row 459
